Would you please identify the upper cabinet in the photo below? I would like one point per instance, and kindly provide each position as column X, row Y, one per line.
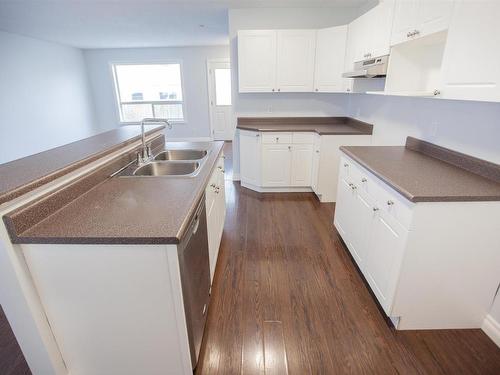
column 470, row 64
column 295, row 62
column 276, row 60
column 372, row 31
column 417, row 18
column 330, row 57
column 257, row 60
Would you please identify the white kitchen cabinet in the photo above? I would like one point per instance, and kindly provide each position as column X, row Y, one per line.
column 276, row 166
column 250, row 157
column 257, row 60
column 301, row 164
column 416, row 257
column 330, row 59
column 470, row 63
column 417, row 18
column 216, row 212
column 295, row 60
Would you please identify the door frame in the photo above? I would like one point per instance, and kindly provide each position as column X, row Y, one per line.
column 211, row 93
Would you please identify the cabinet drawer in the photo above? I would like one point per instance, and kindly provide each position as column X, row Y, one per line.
column 304, row 138
column 282, row 138
column 385, row 197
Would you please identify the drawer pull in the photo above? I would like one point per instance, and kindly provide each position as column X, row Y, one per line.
column 375, row 209
column 346, row 165
column 364, row 179
column 277, row 139
column 353, row 187
column 390, row 203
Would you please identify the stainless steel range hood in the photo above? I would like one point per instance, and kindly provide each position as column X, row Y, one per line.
column 370, row 68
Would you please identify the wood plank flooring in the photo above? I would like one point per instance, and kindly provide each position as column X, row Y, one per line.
column 287, row 299
column 12, row 361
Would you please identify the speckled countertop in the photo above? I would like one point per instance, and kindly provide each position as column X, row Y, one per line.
column 423, row 172
column 20, row 176
column 320, row 125
column 128, row 210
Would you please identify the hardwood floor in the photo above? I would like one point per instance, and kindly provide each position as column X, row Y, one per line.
column 288, row 299
column 12, row 361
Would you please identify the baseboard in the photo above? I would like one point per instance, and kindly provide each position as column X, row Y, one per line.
column 190, row 139
column 492, row 328
column 236, row 177
column 277, row 189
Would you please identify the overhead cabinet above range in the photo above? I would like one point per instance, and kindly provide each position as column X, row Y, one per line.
column 291, row 60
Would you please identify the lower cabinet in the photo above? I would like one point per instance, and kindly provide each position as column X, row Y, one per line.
column 293, row 161
column 422, row 261
column 216, row 212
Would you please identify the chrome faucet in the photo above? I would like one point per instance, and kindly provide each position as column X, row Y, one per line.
column 145, row 156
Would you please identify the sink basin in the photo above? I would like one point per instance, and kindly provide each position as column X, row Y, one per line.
column 181, row 155
column 167, row 169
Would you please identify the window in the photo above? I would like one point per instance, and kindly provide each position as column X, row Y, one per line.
column 222, row 86
column 149, row 90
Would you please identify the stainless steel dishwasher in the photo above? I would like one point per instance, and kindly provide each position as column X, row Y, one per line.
column 195, row 278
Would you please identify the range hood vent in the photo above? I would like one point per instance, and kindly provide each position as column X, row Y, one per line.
column 370, row 68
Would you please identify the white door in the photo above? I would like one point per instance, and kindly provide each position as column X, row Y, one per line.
column 386, row 240
column 257, row 60
column 219, row 92
column 330, row 57
column 295, row 60
column 404, row 20
column 470, row 62
column 276, row 165
column 315, row 164
column 434, row 16
column 250, row 154
column 381, row 18
column 302, row 159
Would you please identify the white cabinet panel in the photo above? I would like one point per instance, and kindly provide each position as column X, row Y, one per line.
column 380, row 27
column 315, row 163
column 470, row 63
column 387, row 242
column 250, row 157
column 417, row 18
column 257, row 60
column 404, row 20
column 330, row 59
column 302, row 156
column 295, row 60
column 277, row 165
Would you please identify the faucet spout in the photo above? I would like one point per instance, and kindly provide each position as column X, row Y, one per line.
column 144, row 156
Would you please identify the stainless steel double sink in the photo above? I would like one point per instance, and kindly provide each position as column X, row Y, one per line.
column 173, row 163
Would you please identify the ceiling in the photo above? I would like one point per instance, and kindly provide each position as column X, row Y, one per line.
column 135, row 23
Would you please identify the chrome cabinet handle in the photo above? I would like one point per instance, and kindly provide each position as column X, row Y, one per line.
column 257, row 135
column 346, row 165
column 317, row 90
column 375, row 209
column 390, row 203
column 279, row 89
column 212, row 185
column 317, row 151
column 353, row 187
column 219, row 167
column 436, row 92
column 277, row 139
column 272, row 90
column 364, row 179
column 289, row 148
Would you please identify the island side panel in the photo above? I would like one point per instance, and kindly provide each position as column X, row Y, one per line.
column 111, row 307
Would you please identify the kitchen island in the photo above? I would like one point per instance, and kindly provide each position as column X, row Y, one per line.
column 120, row 264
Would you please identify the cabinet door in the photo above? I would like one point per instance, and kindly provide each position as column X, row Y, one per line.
column 434, row 16
column 470, row 62
column 315, row 164
column 295, row 62
column 358, row 39
column 387, row 241
column 257, row 60
column 250, row 154
column 330, row 59
column 361, row 211
column 381, row 18
column 404, row 20
column 276, row 164
column 302, row 157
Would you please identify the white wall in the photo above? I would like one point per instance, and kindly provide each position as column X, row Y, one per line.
column 44, row 96
column 278, row 104
column 194, row 71
column 466, row 126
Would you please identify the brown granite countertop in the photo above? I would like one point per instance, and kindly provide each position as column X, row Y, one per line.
column 320, row 125
column 423, row 172
column 127, row 210
column 23, row 175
